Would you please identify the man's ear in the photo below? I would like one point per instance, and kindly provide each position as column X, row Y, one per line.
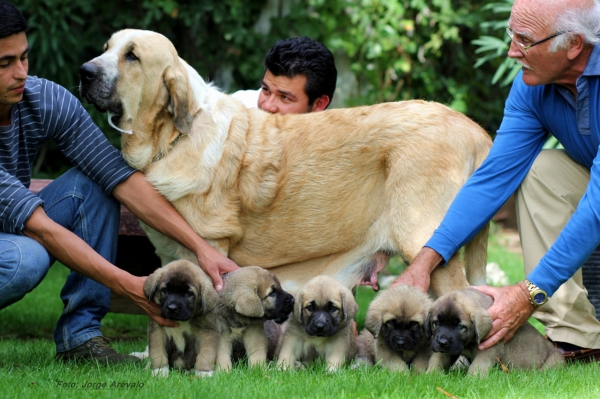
column 320, row 103
column 576, row 46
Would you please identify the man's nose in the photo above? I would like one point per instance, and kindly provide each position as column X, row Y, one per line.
column 270, row 105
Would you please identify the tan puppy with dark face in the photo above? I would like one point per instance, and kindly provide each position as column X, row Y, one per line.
column 321, row 326
column 185, row 294
column 250, row 296
column 458, row 321
column 303, row 195
column 394, row 336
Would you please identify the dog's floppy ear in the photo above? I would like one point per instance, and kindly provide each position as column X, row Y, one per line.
column 180, row 98
column 247, row 302
column 298, row 307
column 427, row 326
column 482, row 323
column 349, row 305
column 209, row 299
column 151, row 284
column 373, row 323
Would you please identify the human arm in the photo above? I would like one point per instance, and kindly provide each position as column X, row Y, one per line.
column 419, row 271
column 144, row 201
column 74, row 253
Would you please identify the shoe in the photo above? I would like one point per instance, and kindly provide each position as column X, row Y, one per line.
column 96, row 348
column 573, row 353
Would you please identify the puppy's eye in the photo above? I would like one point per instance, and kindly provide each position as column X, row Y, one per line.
column 333, row 309
column 190, row 293
column 273, row 293
column 129, row 56
column 390, row 324
column 435, row 324
column 413, row 325
column 310, row 307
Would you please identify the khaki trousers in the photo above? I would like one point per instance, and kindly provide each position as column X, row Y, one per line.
column 545, row 202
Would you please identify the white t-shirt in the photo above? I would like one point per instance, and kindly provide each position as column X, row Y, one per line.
column 247, row 97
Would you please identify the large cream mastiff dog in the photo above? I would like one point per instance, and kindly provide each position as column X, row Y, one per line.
column 301, row 195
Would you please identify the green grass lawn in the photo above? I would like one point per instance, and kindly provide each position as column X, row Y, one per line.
column 27, row 368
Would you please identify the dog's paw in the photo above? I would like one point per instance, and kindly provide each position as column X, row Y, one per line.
column 161, row 372
column 142, row 355
column 204, row 374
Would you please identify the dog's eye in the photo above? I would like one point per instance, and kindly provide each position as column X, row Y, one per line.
column 190, row 293
column 390, row 323
column 310, row 307
column 333, row 309
column 129, row 56
column 413, row 325
column 273, row 293
column 434, row 324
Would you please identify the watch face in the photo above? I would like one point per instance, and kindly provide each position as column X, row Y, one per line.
column 539, row 298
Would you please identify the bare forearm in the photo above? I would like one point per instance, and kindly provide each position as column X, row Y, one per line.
column 142, row 199
column 73, row 252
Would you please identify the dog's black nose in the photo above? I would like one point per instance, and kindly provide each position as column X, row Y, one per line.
column 442, row 342
column 88, row 72
column 400, row 341
column 173, row 308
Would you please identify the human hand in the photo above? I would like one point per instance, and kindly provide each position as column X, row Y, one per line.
column 214, row 264
column 418, row 273
column 511, row 309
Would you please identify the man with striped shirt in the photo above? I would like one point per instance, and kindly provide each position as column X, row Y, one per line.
column 75, row 219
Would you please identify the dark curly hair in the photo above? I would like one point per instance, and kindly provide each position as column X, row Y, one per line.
column 12, row 20
column 304, row 56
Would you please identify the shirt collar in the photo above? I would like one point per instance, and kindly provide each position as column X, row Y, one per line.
column 593, row 65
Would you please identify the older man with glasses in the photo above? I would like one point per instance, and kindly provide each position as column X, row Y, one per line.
column 558, row 191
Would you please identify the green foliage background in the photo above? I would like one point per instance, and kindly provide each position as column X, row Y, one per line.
column 396, row 49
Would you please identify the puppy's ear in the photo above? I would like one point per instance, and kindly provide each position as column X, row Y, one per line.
column 427, row 326
column 482, row 323
column 373, row 323
column 298, row 307
column 180, row 97
column 208, row 299
column 247, row 302
column 151, row 284
column 349, row 305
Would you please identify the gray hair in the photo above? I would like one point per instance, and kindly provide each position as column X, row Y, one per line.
column 577, row 21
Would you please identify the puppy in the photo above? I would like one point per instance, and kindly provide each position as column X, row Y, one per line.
column 394, row 335
column 185, row 294
column 250, row 297
column 459, row 320
column 322, row 325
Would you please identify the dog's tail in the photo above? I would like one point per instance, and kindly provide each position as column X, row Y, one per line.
column 475, row 256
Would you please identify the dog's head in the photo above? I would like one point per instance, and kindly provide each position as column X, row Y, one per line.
column 458, row 319
column 255, row 292
column 398, row 315
column 139, row 76
column 324, row 306
column 182, row 290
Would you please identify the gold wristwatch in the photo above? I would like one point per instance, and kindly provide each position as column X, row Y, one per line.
column 537, row 296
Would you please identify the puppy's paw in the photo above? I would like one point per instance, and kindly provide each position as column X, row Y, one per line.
column 161, row 372
column 204, row 374
column 142, row 355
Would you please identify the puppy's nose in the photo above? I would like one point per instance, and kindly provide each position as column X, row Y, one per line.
column 173, row 308
column 320, row 325
column 400, row 341
column 442, row 341
column 88, row 72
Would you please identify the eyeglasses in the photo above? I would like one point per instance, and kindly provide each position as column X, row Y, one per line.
column 511, row 34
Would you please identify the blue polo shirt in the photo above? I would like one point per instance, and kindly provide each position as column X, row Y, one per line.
column 531, row 113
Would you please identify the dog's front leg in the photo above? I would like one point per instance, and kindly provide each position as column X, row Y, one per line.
column 207, row 355
column 256, row 344
column 157, row 342
column 336, row 353
column 287, row 355
column 224, row 352
column 440, row 362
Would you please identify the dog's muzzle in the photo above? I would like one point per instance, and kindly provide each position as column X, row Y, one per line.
column 285, row 306
column 321, row 324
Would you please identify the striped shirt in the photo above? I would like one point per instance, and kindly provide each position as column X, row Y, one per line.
column 50, row 112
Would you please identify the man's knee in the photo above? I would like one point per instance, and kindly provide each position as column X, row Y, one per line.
column 23, row 265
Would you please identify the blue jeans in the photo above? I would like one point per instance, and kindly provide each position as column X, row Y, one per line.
column 78, row 204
